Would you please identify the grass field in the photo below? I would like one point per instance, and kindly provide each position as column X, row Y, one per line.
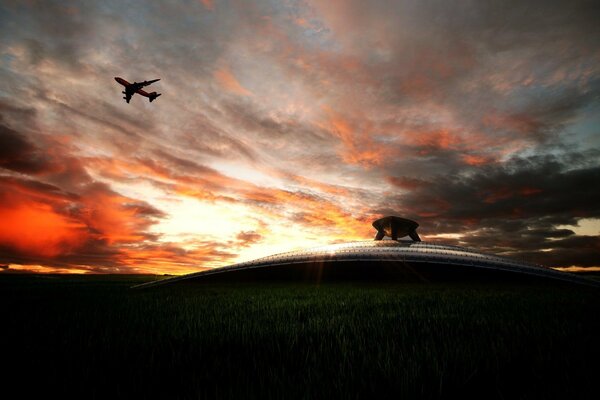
column 93, row 337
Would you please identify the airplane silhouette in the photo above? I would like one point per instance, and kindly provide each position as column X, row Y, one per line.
column 136, row 87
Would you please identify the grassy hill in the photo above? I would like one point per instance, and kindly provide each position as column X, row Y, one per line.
column 94, row 337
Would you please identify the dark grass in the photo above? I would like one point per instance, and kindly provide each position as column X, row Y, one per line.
column 93, row 337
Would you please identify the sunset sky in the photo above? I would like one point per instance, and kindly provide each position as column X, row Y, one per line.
column 290, row 124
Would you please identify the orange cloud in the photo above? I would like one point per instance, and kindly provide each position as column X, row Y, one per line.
column 228, row 81
column 116, row 218
column 34, row 228
column 497, row 195
column 208, row 4
column 303, row 22
column 41, row 225
column 312, row 211
column 359, row 147
column 441, row 139
column 406, row 182
column 529, row 191
column 474, row 160
column 170, row 258
column 503, row 193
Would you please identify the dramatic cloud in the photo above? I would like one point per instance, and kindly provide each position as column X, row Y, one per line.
column 515, row 207
column 290, row 124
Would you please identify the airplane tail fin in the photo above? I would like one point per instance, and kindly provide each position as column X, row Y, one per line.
column 153, row 96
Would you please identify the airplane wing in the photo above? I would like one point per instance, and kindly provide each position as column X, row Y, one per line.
column 146, row 83
column 128, row 92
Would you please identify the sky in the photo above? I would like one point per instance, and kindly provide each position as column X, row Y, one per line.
column 290, row 124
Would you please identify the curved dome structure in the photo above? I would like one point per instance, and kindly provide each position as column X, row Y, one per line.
column 399, row 260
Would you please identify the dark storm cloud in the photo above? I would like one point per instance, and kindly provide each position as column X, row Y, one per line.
column 20, row 153
column 579, row 250
column 16, row 115
column 36, row 188
column 544, row 116
column 17, row 154
column 537, row 187
column 574, row 250
column 514, row 207
column 528, row 187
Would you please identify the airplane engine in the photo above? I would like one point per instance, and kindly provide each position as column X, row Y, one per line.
column 153, row 96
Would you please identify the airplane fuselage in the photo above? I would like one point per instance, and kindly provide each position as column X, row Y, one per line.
column 122, row 81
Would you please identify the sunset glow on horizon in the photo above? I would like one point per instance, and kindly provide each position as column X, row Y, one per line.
column 290, row 124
